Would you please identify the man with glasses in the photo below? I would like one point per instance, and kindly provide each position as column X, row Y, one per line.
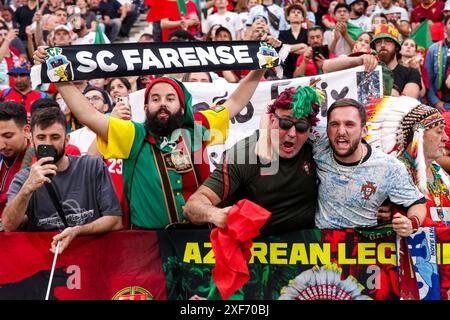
column 281, row 178
column 355, row 179
column 84, row 137
column 21, row 92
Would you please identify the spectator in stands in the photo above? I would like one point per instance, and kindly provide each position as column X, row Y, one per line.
column 7, row 15
column 396, row 16
column 377, row 20
column 98, row 83
column 86, row 193
column 197, row 77
column 409, row 57
column 61, row 14
column 243, row 7
column 7, row 56
column 273, row 13
column 78, row 23
column 23, row 17
column 357, row 16
column 259, row 26
column 407, row 81
column 177, row 22
column 119, row 88
column 328, row 19
column 438, row 68
column 107, row 13
column 362, row 43
column 98, row 99
column 181, row 35
column 228, row 19
column 14, row 140
column 62, row 36
column 295, row 15
column 339, row 41
column 427, row 9
column 146, row 37
column 310, row 63
column 21, row 92
column 72, row 122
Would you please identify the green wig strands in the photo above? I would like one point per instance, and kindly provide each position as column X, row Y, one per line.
column 302, row 103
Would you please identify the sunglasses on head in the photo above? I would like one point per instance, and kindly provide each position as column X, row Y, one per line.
column 286, row 124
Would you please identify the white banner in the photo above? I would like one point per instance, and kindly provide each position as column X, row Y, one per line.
column 351, row 83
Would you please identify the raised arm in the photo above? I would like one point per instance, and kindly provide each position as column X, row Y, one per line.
column 341, row 63
column 77, row 102
column 243, row 93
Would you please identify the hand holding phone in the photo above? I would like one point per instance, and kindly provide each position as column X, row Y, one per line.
column 46, row 150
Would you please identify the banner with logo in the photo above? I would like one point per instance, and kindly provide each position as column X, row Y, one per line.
column 352, row 83
column 84, row 62
column 177, row 265
column 120, row 265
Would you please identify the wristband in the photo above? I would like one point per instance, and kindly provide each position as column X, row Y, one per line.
column 415, row 223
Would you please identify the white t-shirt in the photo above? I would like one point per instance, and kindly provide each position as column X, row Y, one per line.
column 89, row 39
column 229, row 20
column 82, row 138
column 363, row 22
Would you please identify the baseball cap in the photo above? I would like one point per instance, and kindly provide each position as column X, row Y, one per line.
column 62, row 27
column 20, row 66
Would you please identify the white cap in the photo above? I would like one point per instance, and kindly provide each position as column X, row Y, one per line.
column 62, row 27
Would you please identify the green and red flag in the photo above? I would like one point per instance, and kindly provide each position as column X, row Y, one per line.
column 99, row 37
column 422, row 36
column 163, row 9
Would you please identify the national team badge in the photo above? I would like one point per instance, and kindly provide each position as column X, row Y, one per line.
column 133, row 293
column 59, row 69
column 306, row 167
column 267, row 56
column 368, row 190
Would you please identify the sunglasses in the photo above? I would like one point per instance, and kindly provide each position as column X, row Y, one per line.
column 286, row 124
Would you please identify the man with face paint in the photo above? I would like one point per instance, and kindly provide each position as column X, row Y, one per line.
column 83, row 184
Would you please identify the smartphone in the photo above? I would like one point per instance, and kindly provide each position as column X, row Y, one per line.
column 46, row 150
column 124, row 100
column 323, row 50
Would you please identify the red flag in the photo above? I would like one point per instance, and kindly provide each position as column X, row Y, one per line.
column 161, row 9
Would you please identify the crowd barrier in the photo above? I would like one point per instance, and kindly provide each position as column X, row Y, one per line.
column 177, row 265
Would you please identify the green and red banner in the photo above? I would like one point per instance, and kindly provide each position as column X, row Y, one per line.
column 177, row 265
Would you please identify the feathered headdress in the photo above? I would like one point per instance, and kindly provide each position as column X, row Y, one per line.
column 395, row 122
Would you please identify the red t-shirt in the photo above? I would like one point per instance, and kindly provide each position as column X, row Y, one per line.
column 191, row 10
column 11, row 94
column 311, row 69
column 7, row 175
column 433, row 13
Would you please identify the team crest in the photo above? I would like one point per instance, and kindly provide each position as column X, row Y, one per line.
column 59, row 69
column 368, row 190
column 178, row 160
column 306, row 167
column 267, row 56
column 133, row 293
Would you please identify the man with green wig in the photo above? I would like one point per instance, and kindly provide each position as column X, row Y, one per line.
column 280, row 176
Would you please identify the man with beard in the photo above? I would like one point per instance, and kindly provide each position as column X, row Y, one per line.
column 78, row 22
column 357, row 14
column 83, row 185
column 21, row 92
column 355, row 179
column 14, row 141
column 165, row 158
column 407, row 81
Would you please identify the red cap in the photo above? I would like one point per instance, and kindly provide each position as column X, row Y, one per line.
column 446, row 116
column 170, row 81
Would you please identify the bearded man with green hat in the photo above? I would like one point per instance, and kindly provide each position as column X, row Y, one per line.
column 386, row 43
